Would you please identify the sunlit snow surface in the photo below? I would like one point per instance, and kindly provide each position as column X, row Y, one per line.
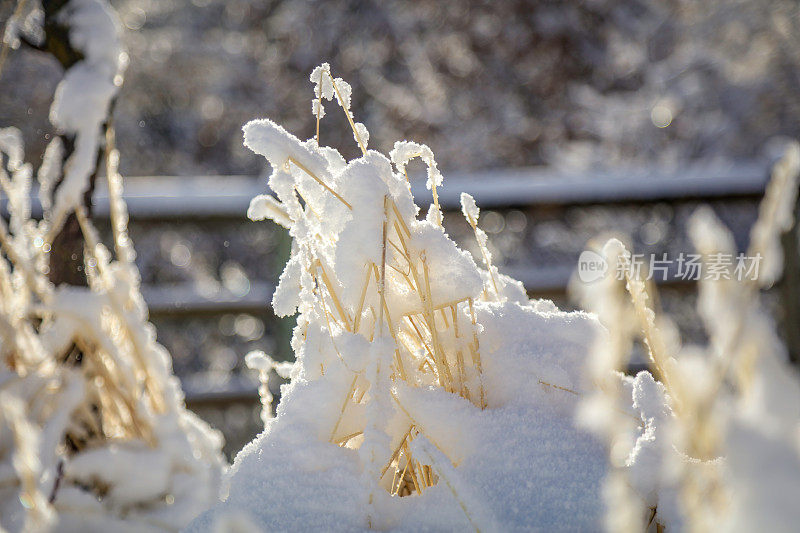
column 524, row 463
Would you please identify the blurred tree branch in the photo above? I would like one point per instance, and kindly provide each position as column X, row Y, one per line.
column 67, row 263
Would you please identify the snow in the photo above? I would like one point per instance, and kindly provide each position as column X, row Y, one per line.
column 107, row 443
column 361, row 134
column 327, row 87
column 11, row 146
column 79, row 107
column 344, row 92
column 261, row 362
column 120, row 468
column 468, row 207
column 646, row 456
column 427, row 393
column 266, row 138
column 405, row 151
column 135, row 473
column 95, row 30
column 20, row 439
column 528, row 466
column 321, row 81
column 716, row 445
column 495, row 283
column 50, row 171
column 524, row 460
column 407, row 366
column 761, row 416
column 440, row 254
column 360, row 239
column 776, row 215
column 26, row 21
column 265, row 206
column 83, row 96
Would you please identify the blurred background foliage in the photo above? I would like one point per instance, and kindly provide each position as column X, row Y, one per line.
column 486, row 84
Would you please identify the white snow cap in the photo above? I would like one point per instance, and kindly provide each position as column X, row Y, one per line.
column 83, row 96
column 469, row 208
column 361, row 134
column 265, row 206
column 326, row 87
column 405, row 151
column 267, row 138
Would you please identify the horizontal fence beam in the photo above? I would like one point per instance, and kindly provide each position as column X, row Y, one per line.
column 190, row 298
column 222, row 397
column 532, row 187
column 239, row 389
column 229, row 196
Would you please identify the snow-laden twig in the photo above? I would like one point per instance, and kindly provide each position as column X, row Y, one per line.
column 82, row 99
column 114, row 443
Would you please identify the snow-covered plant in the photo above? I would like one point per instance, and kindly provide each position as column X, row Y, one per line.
column 94, row 434
column 607, row 410
column 264, row 364
column 717, row 445
column 427, row 393
column 25, row 22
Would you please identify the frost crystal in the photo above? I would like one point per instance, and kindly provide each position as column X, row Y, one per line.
column 361, row 134
column 405, row 151
column 469, row 209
